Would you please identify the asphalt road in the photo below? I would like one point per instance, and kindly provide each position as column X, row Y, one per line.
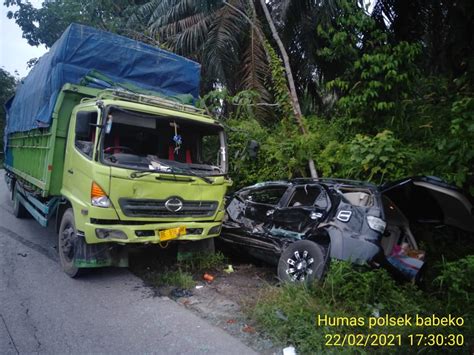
column 42, row 310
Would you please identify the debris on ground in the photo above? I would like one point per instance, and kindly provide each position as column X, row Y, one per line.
column 229, row 269
column 280, row 315
column 180, row 292
column 290, row 350
column 248, row 329
column 225, row 302
column 208, row 277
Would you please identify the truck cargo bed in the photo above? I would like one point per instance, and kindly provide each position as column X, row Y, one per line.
column 37, row 156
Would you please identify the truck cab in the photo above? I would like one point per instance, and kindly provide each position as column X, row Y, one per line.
column 144, row 173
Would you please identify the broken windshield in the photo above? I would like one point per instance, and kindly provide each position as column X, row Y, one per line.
column 164, row 144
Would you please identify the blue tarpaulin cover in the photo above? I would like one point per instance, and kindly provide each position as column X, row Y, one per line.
column 82, row 49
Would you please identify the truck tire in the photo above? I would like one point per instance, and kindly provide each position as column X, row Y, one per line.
column 67, row 240
column 19, row 211
column 302, row 261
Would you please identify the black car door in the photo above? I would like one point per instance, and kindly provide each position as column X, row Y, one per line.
column 425, row 199
column 303, row 209
column 261, row 202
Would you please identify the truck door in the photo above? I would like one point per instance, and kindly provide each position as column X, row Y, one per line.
column 80, row 169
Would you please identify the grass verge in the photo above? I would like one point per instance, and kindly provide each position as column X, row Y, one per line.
column 289, row 314
column 158, row 267
column 177, row 278
column 203, row 261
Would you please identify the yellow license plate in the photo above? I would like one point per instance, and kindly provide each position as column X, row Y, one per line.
column 172, row 233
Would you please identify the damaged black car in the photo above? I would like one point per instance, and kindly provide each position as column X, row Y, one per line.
column 302, row 224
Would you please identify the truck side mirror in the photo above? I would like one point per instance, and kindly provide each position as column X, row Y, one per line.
column 253, row 147
column 83, row 123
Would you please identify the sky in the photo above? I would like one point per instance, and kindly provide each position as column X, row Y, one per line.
column 15, row 50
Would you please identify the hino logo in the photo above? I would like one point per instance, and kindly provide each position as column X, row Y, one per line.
column 174, row 204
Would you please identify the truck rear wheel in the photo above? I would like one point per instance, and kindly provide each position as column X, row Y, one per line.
column 67, row 242
column 19, row 211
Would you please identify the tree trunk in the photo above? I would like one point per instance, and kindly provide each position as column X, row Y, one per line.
column 291, row 83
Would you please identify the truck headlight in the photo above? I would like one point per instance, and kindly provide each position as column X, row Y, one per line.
column 103, row 233
column 377, row 224
column 98, row 197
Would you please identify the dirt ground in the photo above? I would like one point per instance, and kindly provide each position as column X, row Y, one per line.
column 225, row 301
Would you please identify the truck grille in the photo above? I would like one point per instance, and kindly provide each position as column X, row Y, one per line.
column 157, row 208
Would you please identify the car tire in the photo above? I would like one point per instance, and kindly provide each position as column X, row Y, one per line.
column 19, row 211
column 67, row 242
column 302, row 261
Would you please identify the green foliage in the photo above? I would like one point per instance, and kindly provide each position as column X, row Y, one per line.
column 344, row 39
column 456, row 285
column 377, row 75
column 279, row 85
column 289, row 313
column 7, row 89
column 45, row 25
column 203, row 261
column 365, row 292
column 442, row 27
column 226, row 38
column 375, row 158
column 243, row 169
column 388, row 121
column 177, row 278
column 378, row 83
column 283, row 151
column 391, row 119
column 458, row 146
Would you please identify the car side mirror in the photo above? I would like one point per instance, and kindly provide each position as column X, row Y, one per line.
column 83, row 123
column 253, row 147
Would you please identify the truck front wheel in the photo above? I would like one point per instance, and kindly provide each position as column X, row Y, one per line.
column 67, row 243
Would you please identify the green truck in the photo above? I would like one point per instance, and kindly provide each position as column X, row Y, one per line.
column 116, row 161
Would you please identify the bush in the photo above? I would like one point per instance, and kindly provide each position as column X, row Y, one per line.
column 375, row 158
column 456, row 285
column 289, row 313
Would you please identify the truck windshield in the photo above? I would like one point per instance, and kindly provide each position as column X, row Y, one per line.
column 164, row 144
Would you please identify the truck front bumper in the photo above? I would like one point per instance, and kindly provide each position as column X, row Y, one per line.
column 147, row 233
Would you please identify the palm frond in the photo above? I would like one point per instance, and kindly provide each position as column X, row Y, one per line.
column 255, row 68
column 188, row 37
column 222, row 45
column 198, row 22
column 174, row 11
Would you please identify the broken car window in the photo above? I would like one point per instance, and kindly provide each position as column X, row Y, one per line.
column 268, row 195
column 164, row 144
column 304, row 196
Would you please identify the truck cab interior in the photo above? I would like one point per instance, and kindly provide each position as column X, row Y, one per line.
column 141, row 141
